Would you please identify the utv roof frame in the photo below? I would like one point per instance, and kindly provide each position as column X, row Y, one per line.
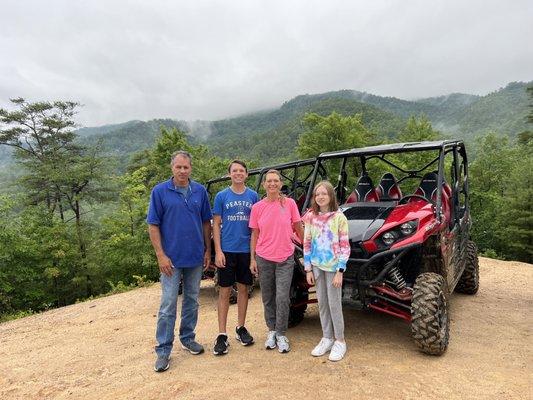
column 294, row 181
column 365, row 153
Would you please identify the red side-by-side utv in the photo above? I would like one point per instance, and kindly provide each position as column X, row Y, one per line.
column 409, row 224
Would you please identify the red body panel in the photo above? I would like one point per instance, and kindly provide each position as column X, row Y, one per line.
column 414, row 210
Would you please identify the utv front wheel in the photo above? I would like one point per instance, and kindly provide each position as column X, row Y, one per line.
column 469, row 280
column 430, row 323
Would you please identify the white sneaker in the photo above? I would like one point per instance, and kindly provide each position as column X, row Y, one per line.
column 283, row 344
column 322, row 347
column 270, row 343
column 337, row 351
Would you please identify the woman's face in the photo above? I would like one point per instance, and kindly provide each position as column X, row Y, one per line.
column 272, row 183
column 322, row 197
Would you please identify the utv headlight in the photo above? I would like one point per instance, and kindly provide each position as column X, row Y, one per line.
column 399, row 232
column 388, row 238
column 408, row 228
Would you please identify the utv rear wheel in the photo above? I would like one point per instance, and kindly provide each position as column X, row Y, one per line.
column 469, row 280
column 296, row 314
column 430, row 323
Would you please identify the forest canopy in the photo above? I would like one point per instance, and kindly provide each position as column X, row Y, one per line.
column 74, row 215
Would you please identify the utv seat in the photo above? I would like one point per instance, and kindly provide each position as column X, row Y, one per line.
column 428, row 186
column 388, row 188
column 364, row 191
column 428, row 189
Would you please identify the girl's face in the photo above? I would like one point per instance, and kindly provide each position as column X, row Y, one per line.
column 322, row 198
column 272, row 183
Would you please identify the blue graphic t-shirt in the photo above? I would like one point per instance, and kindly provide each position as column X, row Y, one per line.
column 234, row 210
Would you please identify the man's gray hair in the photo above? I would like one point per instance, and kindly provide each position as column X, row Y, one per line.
column 181, row 153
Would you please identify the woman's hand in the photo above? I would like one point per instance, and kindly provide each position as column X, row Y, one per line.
column 310, row 278
column 337, row 279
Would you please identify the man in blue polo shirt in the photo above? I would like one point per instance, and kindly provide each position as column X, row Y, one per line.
column 231, row 236
column 179, row 218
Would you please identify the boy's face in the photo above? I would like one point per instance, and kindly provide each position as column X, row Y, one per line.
column 237, row 173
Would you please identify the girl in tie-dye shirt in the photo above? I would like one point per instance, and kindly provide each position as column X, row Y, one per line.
column 326, row 251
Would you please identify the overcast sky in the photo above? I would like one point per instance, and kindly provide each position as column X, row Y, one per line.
column 199, row 59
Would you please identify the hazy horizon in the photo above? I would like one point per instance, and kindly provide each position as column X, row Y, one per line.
column 209, row 60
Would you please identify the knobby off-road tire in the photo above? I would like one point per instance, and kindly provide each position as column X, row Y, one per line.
column 469, row 280
column 430, row 322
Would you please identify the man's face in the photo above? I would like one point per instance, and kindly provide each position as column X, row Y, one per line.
column 237, row 173
column 181, row 170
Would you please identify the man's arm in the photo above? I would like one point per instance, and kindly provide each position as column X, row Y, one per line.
column 220, row 259
column 165, row 264
column 207, row 243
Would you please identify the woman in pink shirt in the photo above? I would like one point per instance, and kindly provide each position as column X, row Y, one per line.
column 273, row 221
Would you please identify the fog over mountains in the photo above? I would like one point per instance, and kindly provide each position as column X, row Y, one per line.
column 460, row 115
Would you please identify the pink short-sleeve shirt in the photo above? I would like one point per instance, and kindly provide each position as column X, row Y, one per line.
column 274, row 221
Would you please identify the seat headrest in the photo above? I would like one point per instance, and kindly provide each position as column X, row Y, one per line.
column 388, row 187
column 428, row 185
column 363, row 187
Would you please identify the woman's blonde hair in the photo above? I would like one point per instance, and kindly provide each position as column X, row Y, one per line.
column 333, row 204
column 273, row 171
column 276, row 172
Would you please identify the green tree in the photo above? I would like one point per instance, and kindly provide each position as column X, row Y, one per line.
column 489, row 187
column 330, row 133
column 59, row 173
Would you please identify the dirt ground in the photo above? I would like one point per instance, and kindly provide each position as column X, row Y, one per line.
column 103, row 349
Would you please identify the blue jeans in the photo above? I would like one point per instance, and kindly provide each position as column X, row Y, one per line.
column 166, row 320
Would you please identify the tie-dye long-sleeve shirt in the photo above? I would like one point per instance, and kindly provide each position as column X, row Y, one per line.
column 326, row 244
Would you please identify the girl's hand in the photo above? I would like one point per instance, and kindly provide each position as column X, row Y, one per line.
column 337, row 279
column 310, row 278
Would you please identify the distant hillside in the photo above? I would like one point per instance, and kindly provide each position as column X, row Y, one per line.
column 503, row 111
column 273, row 134
column 123, row 140
column 105, row 129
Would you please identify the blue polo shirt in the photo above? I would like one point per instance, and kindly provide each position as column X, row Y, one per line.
column 180, row 219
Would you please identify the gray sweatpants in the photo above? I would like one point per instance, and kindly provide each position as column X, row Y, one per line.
column 329, row 304
column 275, row 280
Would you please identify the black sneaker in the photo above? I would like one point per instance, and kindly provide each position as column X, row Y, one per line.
column 221, row 345
column 244, row 336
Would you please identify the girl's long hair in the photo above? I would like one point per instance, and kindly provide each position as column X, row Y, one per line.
column 333, row 204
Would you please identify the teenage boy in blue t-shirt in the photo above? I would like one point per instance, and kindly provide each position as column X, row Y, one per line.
column 231, row 235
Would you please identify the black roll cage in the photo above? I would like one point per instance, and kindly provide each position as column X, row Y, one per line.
column 379, row 152
column 293, row 183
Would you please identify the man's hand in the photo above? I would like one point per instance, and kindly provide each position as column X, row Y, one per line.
column 220, row 260
column 253, row 268
column 165, row 265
